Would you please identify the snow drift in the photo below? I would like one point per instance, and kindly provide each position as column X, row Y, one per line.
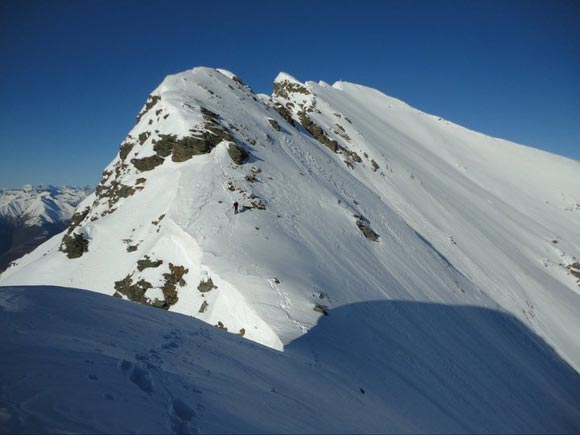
column 78, row 361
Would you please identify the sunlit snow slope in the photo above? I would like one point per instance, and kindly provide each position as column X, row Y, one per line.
column 80, row 362
column 347, row 196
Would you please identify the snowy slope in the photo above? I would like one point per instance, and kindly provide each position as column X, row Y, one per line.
column 462, row 219
column 110, row 366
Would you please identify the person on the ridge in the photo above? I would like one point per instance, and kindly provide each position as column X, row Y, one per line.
column 236, row 207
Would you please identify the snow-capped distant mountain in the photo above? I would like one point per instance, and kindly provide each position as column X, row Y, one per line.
column 32, row 214
column 346, row 195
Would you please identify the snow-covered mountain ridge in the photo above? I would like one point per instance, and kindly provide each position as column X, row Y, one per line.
column 346, row 196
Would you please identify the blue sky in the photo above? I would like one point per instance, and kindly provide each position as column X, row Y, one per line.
column 74, row 74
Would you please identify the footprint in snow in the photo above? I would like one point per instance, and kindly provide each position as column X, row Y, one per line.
column 138, row 375
column 181, row 415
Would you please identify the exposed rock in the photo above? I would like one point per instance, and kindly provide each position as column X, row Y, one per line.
column 284, row 113
column 351, row 158
column 114, row 192
column 203, row 307
column 147, row 263
column 105, row 176
column 125, row 149
column 574, row 269
column 285, row 87
column 238, row 154
column 342, row 132
column 164, row 145
column 200, row 142
column 173, row 279
column 151, row 101
column 274, row 124
column 159, row 219
column 208, row 114
column 241, row 83
column 363, row 225
column 320, row 309
column 258, row 204
column 77, row 218
column 188, row 147
column 147, row 163
column 206, row 286
column 74, row 245
column 352, row 155
column 143, row 137
column 317, row 132
column 134, row 291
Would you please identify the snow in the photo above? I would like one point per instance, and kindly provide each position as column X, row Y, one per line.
column 38, row 205
column 466, row 221
column 79, row 361
column 282, row 76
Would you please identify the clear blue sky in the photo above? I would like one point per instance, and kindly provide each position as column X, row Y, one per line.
column 73, row 74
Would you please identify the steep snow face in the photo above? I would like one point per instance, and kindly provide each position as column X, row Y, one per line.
column 38, row 205
column 346, row 195
column 110, row 366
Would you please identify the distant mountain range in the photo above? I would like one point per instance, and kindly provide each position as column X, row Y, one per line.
column 32, row 214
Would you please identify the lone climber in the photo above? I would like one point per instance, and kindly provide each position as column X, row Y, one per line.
column 236, row 207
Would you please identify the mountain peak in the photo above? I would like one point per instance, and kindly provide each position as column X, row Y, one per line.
column 285, row 77
column 342, row 198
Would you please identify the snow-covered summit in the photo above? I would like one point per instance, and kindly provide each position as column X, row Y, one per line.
column 285, row 77
column 346, row 195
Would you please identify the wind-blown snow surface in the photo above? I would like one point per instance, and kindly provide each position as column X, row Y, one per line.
column 464, row 219
column 78, row 361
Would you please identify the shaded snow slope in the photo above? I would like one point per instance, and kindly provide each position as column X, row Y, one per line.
column 77, row 361
column 347, row 196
